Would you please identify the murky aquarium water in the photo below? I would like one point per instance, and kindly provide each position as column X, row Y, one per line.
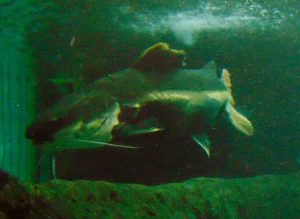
column 149, row 109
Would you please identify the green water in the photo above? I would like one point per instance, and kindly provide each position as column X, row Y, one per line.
column 69, row 44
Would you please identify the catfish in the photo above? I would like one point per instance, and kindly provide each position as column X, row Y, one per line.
column 156, row 94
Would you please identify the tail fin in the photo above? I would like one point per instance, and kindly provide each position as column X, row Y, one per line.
column 240, row 122
column 225, row 76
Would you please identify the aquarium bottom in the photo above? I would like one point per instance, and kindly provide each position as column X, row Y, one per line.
column 267, row 196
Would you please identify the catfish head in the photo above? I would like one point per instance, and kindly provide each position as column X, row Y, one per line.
column 85, row 119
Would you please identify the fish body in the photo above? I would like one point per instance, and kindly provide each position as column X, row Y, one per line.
column 190, row 102
column 155, row 95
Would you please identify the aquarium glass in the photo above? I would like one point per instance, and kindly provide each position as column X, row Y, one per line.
column 151, row 93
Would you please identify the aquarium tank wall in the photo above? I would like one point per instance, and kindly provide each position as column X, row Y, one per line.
column 17, row 92
column 96, row 90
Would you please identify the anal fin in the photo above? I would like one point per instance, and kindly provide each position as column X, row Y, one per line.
column 204, row 142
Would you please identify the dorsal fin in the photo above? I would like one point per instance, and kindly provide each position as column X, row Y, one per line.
column 225, row 77
column 211, row 68
column 160, row 58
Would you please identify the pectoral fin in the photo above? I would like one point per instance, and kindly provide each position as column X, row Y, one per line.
column 204, row 142
column 240, row 122
column 146, row 126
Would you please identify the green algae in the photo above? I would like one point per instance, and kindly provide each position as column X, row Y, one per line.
column 257, row 197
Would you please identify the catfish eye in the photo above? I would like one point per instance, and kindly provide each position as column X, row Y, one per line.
column 128, row 113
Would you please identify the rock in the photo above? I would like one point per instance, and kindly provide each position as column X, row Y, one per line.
column 17, row 203
column 257, row 197
column 267, row 196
